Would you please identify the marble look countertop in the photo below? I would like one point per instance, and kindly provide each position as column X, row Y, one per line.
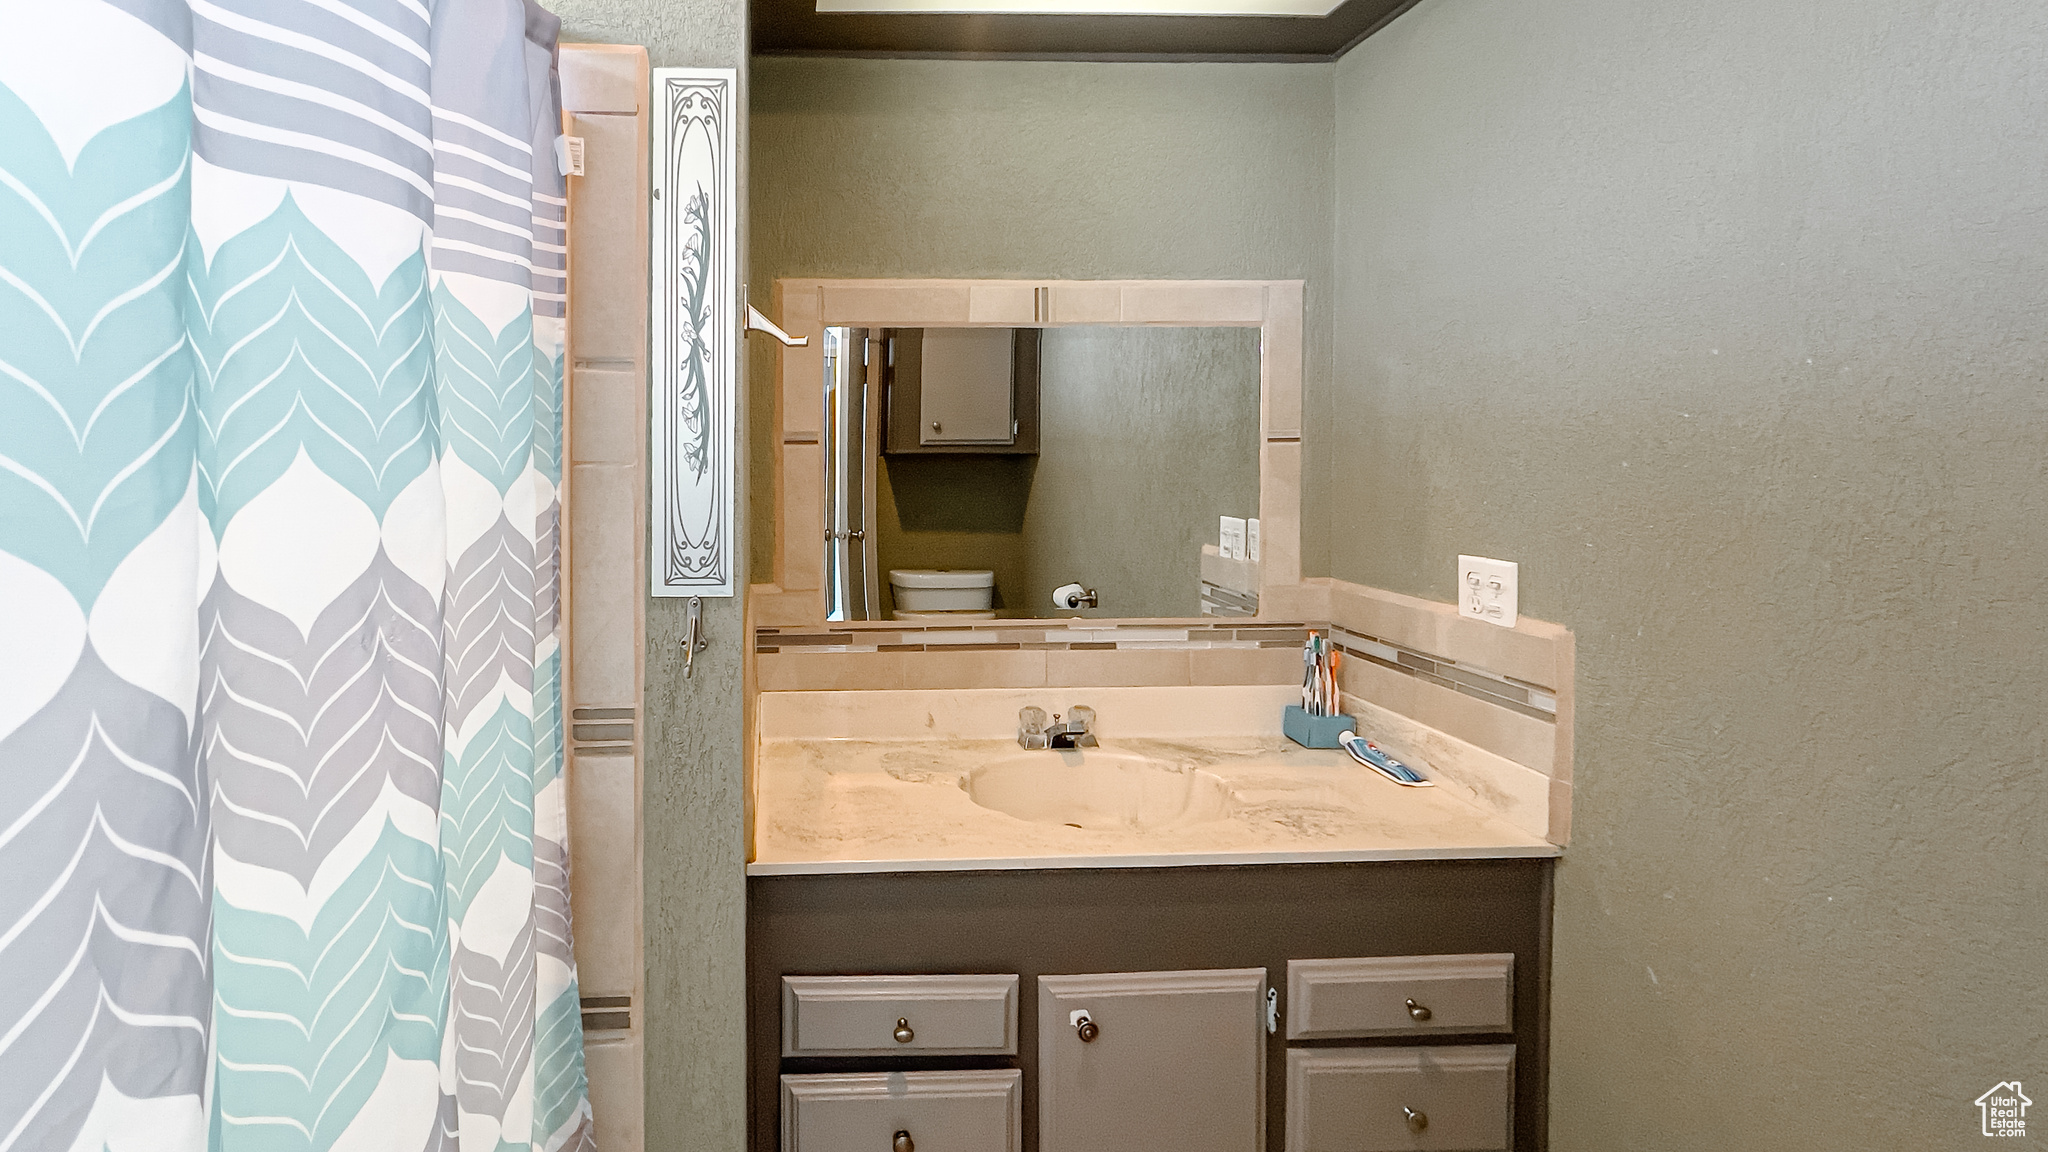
column 837, row 805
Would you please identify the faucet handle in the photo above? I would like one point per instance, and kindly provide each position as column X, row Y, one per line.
column 1031, row 727
column 1081, row 722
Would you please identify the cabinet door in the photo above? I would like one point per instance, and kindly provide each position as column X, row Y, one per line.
column 966, row 387
column 1176, row 1062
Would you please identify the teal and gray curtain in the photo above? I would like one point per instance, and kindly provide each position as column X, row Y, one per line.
column 282, row 835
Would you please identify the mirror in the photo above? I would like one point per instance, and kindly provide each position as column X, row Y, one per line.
column 972, row 473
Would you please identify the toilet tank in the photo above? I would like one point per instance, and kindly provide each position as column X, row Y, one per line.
column 942, row 590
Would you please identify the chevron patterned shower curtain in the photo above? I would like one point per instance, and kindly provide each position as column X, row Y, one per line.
column 283, row 858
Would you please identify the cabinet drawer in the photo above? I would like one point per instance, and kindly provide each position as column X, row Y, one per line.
column 890, row 1015
column 1408, row 1099
column 1400, row 995
column 904, row 1112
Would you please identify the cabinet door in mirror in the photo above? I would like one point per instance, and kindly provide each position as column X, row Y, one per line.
column 969, row 388
column 1152, row 1061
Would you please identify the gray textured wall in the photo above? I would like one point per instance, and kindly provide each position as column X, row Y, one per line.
column 693, row 791
column 1036, row 169
column 1149, row 435
column 1725, row 320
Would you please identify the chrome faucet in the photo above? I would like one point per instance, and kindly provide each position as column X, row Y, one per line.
column 1077, row 732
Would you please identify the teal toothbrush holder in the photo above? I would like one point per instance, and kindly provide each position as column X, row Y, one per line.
column 1314, row 731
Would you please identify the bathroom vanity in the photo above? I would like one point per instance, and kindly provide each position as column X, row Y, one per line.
column 1407, row 998
column 1192, row 935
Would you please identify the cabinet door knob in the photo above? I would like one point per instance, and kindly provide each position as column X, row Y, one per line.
column 904, row 1034
column 935, row 426
column 1419, row 1011
column 1417, row 1120
column 1086, row 1029
column 902, row 1143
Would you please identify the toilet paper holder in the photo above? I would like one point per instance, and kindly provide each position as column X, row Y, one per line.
column 1070, row 596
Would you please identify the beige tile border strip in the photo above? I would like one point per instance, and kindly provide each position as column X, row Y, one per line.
column 991, row 713
column 805, row 307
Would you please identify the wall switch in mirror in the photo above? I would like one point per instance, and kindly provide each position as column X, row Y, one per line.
column 1230, row 537
column 1251, row 539
column 1488, row 589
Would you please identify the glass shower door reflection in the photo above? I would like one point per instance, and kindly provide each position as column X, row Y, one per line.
column 849, row 537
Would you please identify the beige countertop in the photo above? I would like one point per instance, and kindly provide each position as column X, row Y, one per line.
column 896, row 805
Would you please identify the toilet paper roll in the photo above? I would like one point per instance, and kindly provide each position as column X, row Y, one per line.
column 1068, row 596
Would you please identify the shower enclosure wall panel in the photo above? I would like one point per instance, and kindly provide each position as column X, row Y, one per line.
column 605, row 96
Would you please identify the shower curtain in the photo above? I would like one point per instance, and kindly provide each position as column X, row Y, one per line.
column 283, row 858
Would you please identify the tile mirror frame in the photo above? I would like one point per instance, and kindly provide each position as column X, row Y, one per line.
column 806, row 307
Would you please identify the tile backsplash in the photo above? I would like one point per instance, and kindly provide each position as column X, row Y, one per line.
column 1538, row 701
column 1024, row 635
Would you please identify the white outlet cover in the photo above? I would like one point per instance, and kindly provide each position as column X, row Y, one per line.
column 1230, row 537
column 1488, row 589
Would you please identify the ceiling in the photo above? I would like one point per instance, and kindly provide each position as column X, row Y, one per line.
column 796, row 27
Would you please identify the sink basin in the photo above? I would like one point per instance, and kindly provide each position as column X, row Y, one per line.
column 1094, row 789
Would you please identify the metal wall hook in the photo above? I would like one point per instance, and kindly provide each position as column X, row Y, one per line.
column 694, row 640
column 759, row 323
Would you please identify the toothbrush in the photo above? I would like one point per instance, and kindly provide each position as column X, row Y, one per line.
column 1372, row 756
column 1316, row 668
column 1329, row 679
column 1308, row 662
column 1336, row 699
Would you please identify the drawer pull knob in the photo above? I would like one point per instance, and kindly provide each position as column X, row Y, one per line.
column 1417, row 1120
column 902, row 1143
column 1086, row 1028
column 904, row 1035
column 1420, row 1012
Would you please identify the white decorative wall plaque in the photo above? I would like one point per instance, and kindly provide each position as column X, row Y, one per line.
column 696, row 331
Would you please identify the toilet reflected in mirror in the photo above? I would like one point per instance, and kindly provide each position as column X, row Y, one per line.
column 939, row 595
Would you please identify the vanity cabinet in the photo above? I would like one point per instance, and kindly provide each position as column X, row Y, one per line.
column 1176, row 965
column 1152, row 1061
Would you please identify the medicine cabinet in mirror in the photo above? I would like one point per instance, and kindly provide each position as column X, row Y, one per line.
column 956, row 451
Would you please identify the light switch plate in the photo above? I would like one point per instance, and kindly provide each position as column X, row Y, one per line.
column 1251, row 539
column 1488, row 589
column 1230, row 537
